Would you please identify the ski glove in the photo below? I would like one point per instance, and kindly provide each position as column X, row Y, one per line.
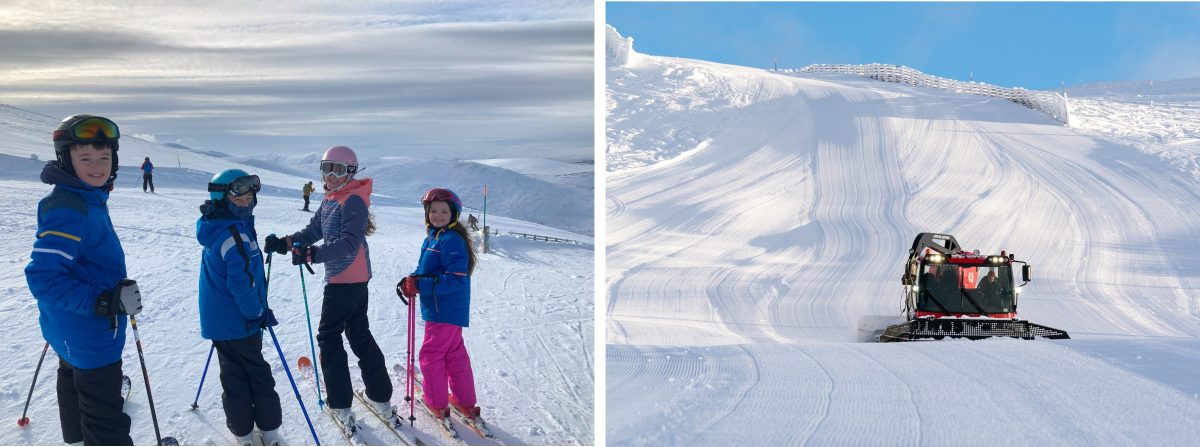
column 277, row 245
column 407, row 287
column 304, row 255
column 267, row 319
column 123, row 299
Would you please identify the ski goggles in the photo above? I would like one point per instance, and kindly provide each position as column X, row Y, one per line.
column 94, row 129
column 336, row 169
column 238, row 187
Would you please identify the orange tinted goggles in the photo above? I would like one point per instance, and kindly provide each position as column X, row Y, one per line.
column 93, row 129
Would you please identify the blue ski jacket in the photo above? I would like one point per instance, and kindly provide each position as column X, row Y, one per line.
column 232, row 283
column 75, row 258
column 445, row 284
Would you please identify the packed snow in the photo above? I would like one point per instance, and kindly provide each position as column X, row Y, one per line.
column 531, row 334
column 757, row 226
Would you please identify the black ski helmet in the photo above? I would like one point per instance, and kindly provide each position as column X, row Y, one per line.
column 65, row 136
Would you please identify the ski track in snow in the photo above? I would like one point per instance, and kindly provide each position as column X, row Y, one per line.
column 754, row 240
column 530, row 337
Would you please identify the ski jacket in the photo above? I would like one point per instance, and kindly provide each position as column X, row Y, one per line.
column 342, row 222
column 233, row 287
column 76, row 257
column 147, row 167
column 445, row 285
column 308, row 189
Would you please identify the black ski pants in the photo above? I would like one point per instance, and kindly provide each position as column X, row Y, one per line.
column 89, row 405
column 148, row 180
column 345, row 310
column 305, row 203
column 249, row 394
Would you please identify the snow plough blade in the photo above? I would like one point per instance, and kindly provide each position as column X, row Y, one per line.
column 974, row 329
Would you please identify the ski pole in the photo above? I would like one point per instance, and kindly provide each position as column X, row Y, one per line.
column 312, row 344
column 25, row 420
column 411, row 387
column 283, row 360
column 195, row 402
column 266, row 291
column 146, row 376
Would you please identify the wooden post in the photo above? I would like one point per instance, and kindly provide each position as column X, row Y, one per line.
column 485, row 226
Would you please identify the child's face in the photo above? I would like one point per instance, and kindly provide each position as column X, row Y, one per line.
column 439, row 214
column 332, row 182
column 241, row 201
column 92, row 165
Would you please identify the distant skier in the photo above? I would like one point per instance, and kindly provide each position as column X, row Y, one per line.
column 343, row 222
column 308, row 189
column 471, row 220
column 233, row 305
column 147, row 175
column 443, row 281
column 77, row 273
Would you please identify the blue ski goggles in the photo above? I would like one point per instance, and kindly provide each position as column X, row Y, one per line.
column 238, row 187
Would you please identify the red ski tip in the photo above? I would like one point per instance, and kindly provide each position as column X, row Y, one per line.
column 303, row 362
column 23, row 422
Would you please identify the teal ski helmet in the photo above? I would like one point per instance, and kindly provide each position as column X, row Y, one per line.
column 236, row 181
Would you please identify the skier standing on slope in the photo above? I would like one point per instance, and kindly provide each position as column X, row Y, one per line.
column 443, row 281
column 77, row 273
column 343, row 222
column 233, row 305
column 147, row 175
column 307, row 190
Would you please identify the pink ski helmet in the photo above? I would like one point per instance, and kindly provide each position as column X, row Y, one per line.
column 341, row 154
column 339, row 161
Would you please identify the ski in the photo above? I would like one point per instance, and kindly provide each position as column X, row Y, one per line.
column 392, row 422
column 126, row 387
column 473, row 422
column 351, row 433
column 353, row 437
column 443, row 424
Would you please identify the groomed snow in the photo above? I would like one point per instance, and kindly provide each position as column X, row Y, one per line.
column 757, row 224
column 531, row 335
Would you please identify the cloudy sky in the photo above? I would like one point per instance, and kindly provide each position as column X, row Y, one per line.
column 1011, row 44
column 427, row 78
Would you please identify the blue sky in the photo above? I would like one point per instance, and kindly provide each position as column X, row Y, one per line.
column 1031, row 45
column 452, row 79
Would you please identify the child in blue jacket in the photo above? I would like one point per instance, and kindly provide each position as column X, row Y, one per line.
column 77, row 273
column 233, row 306
column 443, row 282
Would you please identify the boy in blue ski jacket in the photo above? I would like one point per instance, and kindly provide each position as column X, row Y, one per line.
column 77, row 273
column 233, row 305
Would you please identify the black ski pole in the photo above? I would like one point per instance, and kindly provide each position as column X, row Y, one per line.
column 25, row 420
column 146, row 377
column 196, row 401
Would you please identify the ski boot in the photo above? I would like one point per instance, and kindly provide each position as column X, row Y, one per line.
column 442, row 417
column 471, row 416
column 272, row 437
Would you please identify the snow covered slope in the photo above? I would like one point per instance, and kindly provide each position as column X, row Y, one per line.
column 758, row 223
column 531, row 335
column 578, row 174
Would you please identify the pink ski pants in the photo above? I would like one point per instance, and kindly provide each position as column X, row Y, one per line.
column 444, row 362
